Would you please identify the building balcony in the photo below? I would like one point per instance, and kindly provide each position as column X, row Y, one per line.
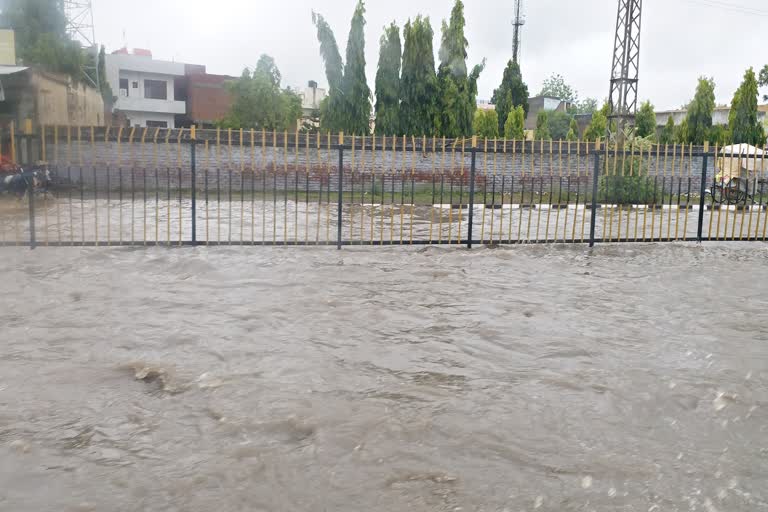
column 149, row 105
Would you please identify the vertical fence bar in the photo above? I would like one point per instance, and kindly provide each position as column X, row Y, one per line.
column 702, row 193
column 471, row 212
column 341, row 183
column 13, row 141
column 193, row 169
column 31, row 195
column 595, row 177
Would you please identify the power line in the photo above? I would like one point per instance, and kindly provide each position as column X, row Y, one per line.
column 740, row 9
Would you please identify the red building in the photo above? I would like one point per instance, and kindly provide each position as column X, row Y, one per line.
column 207, row 96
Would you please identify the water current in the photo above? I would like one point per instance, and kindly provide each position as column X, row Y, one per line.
column 628, row 377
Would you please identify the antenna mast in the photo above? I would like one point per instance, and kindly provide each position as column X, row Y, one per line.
column 517, row 23
column 626, row 65
column 80, row 28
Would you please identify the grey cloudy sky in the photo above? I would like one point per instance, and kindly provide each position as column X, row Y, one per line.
column 681, row 39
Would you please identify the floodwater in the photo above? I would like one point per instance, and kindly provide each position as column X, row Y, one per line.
column 547, row 378
column 283, row 220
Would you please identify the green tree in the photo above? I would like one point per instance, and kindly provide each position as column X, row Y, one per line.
column 514, row 128
column 40, row 28
column 259, row 103
column 486, row 124
column 388, row 82
column 719, row 135
column 458, row 90
column 668, row 132
column 573, row 131
column 559, row 124
column 542, row 126
column 682, row 132
column 418, row 83
column 586, row 106
column 764, row 80
column 598, row 127
column 743, row 122
column 511, row 93
column 645, row 121
column 357, row 94
column 700, row 111
column 331, row 108
column 556, row 87
column 106, row 90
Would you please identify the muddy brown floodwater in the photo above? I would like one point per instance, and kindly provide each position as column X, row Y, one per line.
column 630, row 378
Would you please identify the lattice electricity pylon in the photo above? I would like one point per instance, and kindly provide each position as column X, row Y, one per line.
column 626, row 65
column 517, row 23
column 80, row 28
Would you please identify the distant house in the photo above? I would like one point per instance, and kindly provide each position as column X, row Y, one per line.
column 719, row 116
column 145, row 88
column 538, row 103
column 485, row 105
column 311, row 98
column 207, row 96
column 154, row 93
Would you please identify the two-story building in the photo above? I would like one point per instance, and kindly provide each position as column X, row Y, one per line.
column 146, row 89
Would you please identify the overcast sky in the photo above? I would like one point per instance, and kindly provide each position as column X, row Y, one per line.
column 681, row 39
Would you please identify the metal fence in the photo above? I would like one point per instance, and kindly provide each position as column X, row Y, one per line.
column 182, row 187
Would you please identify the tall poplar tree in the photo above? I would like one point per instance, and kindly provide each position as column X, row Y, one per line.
column 458, row 89
column 357, row 94
column 388, row 82
column 511, row 93
column 418, row 83
column 700, row 111
column 348, row 106
column 743, row 122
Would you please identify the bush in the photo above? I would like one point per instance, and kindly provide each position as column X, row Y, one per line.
column 626, row 189
column 625, row 179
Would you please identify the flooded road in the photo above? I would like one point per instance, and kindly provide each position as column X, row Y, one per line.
column 436, row 379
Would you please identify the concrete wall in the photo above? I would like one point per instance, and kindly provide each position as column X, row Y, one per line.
column 140, row 118
column 50, row 99
column 224, row 166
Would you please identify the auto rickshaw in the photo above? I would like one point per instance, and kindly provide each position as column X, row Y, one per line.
column 741, row 174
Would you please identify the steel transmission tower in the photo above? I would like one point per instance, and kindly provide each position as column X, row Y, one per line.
column 518, row 23
column 626, row 65
column 80, row 28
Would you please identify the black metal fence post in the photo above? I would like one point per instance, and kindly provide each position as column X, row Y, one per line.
column 471, row 212
column 31, row 195
column 595, row 179
column 341, row 190
column 193, row 150
column 704, row 162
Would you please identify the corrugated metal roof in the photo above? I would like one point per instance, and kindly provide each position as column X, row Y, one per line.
column 10, row 70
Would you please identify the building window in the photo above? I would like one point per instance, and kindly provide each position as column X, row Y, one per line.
column 135, row 85
column 157, row 124
column 156, row 89
column 124, row 87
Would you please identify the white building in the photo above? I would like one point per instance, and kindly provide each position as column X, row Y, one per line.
column 720, row 115
column 146, row 88
column 485, row 105
column 311, row 98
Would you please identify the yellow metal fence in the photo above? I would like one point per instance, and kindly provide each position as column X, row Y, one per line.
column 148, row 186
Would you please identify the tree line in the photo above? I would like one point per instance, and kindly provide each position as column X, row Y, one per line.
column 697, row 127
column 414, row 95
